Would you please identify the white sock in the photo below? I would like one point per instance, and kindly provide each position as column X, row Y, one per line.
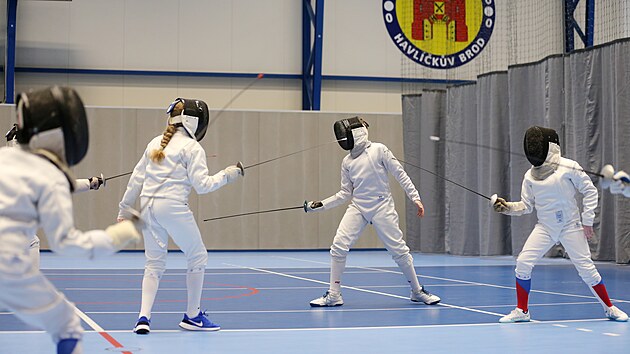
column 149, row 291
column 406, row 265
column 194, row 285
column 337, row 268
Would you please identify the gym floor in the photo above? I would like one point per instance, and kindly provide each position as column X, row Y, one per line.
column 260, row 299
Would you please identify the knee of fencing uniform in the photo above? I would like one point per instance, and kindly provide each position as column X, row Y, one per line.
column 523, row 270
column 155, row 268
column 587, row 271
column 339, row 252
column 197, row 263
column 403, row 259
column 57, row 318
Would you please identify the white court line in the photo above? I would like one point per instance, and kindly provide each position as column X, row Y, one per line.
column 363, row 290
column 351, row 328
column 180, row 274
column 257, row 288
column 326, row 310
column 465, row 281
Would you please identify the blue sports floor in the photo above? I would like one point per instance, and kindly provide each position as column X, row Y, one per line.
column 260, row 299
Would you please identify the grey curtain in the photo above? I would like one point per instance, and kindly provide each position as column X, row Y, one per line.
column 585, row 96
column 419, row 122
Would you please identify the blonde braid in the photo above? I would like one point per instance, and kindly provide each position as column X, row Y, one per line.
column 157, row 155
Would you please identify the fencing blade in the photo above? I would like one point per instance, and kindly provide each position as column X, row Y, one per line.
column 438, row 139
column 255, row 212
column 444, row 178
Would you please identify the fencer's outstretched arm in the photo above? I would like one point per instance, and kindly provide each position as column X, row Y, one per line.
column 393, row 166
column 584, row 185
column 344, row 194
column 198, row 173
column 134, row 186
column 56, row 219
column 525, row 205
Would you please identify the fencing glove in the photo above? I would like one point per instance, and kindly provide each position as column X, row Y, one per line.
column 500, row 205
column 232, row 173
column 123, row 233
column 313, row 206
column 96, row 182
column 619, row 186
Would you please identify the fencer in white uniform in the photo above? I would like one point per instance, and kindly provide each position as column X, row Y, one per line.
column 35, row 193
column 549, row 186
column 172, row 164
column 80, row 185
column 364, row 181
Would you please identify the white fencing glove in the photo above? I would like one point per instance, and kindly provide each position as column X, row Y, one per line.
column 123, row 233
column 313, row 206
column 607, row 172
column 96, row 182
column 499, row 204
column 620, row 185
column 234, row 172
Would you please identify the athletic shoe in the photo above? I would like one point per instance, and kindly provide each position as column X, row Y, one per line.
column 615, row 314
column 69, row 346
column 424, row 296
column 328, row 299
column 142, row 326
column 517, row 315
column 199, row 323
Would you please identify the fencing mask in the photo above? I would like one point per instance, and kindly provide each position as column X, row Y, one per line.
column 536, row 143
column 54, row 120
column 194, row 117
column 343, row 130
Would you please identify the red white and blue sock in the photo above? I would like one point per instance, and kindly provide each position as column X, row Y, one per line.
column 522, row 293
column 600, row 290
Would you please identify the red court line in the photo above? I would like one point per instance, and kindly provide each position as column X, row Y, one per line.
column 252, row 291
column 112, row 341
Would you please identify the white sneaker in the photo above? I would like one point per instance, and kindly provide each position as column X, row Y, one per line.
column 424, row 296
column 615, row 314
column 329, row 299
column 517, row 315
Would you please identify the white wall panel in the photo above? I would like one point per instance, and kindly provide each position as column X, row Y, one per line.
column 96, row 34
column 43, row 34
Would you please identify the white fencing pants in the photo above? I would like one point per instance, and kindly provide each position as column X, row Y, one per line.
column 164, row 217
column 574, row 242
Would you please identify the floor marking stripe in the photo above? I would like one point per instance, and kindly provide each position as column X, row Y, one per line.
column 99, row 330
column 471, row 282
column 352, row 328
column 364, row 290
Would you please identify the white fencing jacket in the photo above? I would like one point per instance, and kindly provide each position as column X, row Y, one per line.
column 183, row 168
column 365, row 179
column 35, row 193
column 554, row 197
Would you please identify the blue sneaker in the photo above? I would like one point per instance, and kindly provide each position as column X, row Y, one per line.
column 142, row 326
column 69, row 346
column 199, row 323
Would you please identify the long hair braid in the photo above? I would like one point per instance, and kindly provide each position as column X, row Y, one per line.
column 157, row 155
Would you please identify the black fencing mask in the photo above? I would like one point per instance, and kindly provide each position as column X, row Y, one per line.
column 53, row 119
column 194, row 117
column 343, row 130
column 536, row 144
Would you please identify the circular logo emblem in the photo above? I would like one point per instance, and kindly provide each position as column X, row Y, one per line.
column 440, row 34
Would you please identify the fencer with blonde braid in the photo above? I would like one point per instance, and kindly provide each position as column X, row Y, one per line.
column 172, row 164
